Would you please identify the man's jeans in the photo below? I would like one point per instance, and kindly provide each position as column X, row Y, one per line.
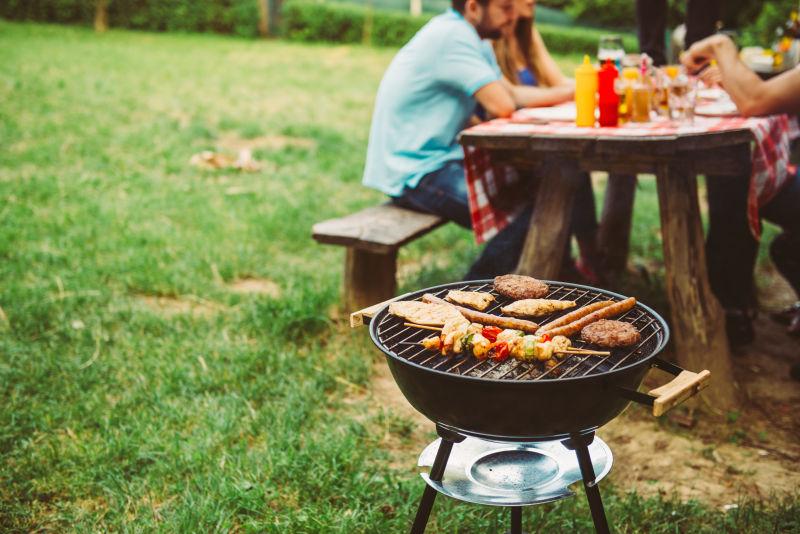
column 732, row 250
column 444, row 192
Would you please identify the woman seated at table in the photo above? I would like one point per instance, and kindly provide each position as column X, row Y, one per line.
column 731, row 247
column 525, row 61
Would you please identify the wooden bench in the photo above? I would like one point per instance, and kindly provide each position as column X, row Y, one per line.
column 372, row 237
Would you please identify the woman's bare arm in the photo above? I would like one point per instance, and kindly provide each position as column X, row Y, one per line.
column 527, row 96
column 549, row 71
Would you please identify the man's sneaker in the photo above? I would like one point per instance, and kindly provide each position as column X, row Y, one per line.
column 739, row 327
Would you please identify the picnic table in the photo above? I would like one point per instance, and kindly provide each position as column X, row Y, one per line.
column 675, row 153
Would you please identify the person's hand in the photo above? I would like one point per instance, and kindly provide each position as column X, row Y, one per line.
column 712, row 77
column 702, row 52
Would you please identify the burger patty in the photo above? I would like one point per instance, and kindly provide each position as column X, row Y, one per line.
column 606, row 333
column 517, row 287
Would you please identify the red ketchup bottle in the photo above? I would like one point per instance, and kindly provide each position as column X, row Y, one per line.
column 608, row 97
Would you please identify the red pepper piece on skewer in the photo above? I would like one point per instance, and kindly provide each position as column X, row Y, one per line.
column 501, row 352
column 491, row 332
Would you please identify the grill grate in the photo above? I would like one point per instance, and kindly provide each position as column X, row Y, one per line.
column 403, row 342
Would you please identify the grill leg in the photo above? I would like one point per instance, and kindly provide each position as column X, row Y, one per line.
column 580, row 444
column 516, row 520
column 449, row 438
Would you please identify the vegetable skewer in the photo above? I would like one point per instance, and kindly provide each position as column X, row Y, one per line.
column 459, row 335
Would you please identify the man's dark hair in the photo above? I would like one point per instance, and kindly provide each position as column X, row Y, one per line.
column 458, row 5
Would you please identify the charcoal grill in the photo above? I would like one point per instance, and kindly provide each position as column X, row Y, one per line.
column 514, row 401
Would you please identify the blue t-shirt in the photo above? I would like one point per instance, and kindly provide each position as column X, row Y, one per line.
column 425, row 99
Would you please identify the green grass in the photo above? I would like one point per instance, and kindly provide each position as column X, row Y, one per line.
column 118, row 417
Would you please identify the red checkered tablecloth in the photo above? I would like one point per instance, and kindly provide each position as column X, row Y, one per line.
column 487, row 179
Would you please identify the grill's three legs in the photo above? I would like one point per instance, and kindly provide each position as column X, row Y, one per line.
column 449, row 438
column 580, row 444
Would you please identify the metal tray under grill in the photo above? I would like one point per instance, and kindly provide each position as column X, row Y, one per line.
column 512, row 474
column 402, row 342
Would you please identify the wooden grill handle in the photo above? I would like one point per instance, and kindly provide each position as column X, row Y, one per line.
column 357, row 317
column 677, row 390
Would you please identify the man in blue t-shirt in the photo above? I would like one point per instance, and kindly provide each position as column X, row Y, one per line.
column 426, row 97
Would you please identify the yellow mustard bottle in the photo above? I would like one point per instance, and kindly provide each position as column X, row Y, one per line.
column 585, row 93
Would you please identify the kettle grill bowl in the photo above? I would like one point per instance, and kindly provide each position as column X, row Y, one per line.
column 541, row 407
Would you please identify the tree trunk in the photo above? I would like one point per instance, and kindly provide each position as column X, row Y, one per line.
column 263, row 18
column 416, row 7
column 100, row 15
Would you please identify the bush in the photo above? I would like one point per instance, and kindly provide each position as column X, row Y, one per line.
column 339, row 23
column 394, row 29
column 333, row 22
column 735, row 14
column 772, row 15
column 610, row 13
column 344, row 23
column 579, row 40
column 223, row 16
column 68, row 11
column 303, row 20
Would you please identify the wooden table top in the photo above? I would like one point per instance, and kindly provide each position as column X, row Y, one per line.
column 565, row 142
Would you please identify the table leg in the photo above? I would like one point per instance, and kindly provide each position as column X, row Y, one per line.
column 698, row 321
column 613, row 237
column 543, row 252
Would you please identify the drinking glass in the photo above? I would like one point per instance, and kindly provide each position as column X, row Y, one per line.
column 610, row 47
column 642, row 102
column 661, row 81
column 682, row 97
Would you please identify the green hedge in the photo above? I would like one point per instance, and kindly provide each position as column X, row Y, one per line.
column 346, row 23
column 239, row 17
column 580, row 40
column 342, row 23
column 772, row 15
column 303, row 20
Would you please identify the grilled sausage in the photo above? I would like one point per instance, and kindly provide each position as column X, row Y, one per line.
column 487, row 318
column 603, row 313
column 575, row 315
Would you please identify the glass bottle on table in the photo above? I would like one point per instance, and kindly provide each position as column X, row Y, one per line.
column 642, row 93
column 682, row 98
column 661, row 93
column 642, row 101
column 624, row 87
column 610, row 47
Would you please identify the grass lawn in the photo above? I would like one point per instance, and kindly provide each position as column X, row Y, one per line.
column 138, row 390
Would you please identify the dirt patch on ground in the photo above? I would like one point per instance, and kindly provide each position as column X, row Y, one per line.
column 753, row 453
column 255, row 286
column 188, row 304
